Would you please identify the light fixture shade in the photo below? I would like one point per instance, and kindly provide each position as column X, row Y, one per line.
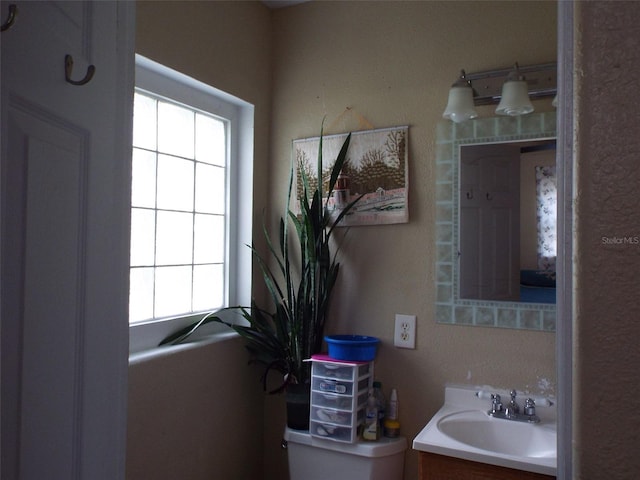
column 515, row 99
column 460, row 106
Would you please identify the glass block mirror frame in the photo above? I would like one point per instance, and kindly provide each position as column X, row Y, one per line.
column 450, row 308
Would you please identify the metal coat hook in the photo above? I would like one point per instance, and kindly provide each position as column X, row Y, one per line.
column 489, row 196
column 13, row 10
column 68, row 69
column 470, row 194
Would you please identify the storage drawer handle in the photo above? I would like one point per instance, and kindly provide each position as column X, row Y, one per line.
column 332, row 387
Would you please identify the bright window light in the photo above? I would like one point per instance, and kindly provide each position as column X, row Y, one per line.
column 178, row 209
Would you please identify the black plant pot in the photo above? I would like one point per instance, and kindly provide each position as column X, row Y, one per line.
column 298, row 404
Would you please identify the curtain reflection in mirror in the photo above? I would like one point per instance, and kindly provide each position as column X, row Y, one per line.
column 546, row 193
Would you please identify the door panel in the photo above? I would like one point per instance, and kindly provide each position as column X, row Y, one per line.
column 64, row 198
column 49, row 158
column 490, row 222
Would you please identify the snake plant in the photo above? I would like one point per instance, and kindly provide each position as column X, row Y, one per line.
column 299, row 282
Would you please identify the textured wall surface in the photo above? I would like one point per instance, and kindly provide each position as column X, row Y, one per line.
column 608, row 290
column 196, row 415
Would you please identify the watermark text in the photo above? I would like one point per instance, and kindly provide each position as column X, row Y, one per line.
column 632, row 240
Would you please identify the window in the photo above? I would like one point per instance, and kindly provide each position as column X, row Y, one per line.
column 178, row 209
column 190, row 199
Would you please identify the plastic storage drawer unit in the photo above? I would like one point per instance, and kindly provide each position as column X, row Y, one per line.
column 339, row 392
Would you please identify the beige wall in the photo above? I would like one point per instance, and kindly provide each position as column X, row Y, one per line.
column 607, row 326
column 195, row 415
column 392, row 63
column 198, row 414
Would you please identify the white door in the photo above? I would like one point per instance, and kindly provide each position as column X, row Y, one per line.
column 490, row 222
column 471, row 242
column 65, row 176
column 502, row 180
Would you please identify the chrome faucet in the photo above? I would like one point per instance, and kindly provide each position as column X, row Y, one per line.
column 513, row 408
column 512, row 411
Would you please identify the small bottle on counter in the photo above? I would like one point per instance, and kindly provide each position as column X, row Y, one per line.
column 371, row 430
column 380, row 401
column 392, row 412
column 391, row 428
column 391, row 423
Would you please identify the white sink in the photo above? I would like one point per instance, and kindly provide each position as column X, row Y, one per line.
column 462, row 428
column 477, row 429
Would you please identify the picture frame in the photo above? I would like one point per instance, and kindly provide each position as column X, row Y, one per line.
column 376, row 168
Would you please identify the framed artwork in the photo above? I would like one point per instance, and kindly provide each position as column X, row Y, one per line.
column 376, row 167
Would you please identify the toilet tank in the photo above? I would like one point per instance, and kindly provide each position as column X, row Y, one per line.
column 313, row 458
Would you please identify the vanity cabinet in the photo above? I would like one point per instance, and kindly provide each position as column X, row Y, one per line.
column 442, row 467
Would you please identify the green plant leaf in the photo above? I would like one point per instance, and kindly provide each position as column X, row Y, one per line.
column 337, row 166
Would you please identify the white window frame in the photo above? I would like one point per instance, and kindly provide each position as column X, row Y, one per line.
column 165, row 82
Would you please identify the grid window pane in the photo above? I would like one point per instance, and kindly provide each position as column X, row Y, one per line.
column 210, row 189
column 143, row 230
column 173, row 291
column 208, row 244
column 144, row 121
column 141, row 294
column 175, row 130
column 143, row 185
column 178, row 214
column 174, row 242
column 175, row 183
column 211, row 142
column 208, row 287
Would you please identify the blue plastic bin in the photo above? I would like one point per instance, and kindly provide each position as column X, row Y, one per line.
column 354, row 348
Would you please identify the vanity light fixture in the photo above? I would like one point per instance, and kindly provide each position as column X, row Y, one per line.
column 460, row 106
column 489, row 87
column 515, row 96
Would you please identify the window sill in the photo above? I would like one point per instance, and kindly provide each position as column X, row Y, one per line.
column 145, row 337
column 167, row 350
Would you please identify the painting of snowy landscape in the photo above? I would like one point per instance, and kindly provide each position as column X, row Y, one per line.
column 376, row 166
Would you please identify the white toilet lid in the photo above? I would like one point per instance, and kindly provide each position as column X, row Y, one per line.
column 381, row 448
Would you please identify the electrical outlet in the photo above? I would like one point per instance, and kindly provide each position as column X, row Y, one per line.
column 405, row 331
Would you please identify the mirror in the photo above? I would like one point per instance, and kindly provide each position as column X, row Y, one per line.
column 538, row 131
column 507, row 221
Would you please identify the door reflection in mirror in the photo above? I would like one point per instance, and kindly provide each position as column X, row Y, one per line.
column 507, row 215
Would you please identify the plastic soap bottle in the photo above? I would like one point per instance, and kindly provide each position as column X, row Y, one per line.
column 371, row 431
column 380, row 401
column 391, row 423
column 393, row 405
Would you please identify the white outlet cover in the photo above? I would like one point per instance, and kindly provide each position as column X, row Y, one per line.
column 405, row 331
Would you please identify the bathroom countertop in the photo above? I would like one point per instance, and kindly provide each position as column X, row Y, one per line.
column 463, row 400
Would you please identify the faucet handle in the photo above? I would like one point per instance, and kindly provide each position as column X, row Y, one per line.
column 496, row 403
column 530, row 411
column 529, row 407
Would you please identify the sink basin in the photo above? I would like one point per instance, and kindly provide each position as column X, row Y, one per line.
column 463, row 429
column 477, row 429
